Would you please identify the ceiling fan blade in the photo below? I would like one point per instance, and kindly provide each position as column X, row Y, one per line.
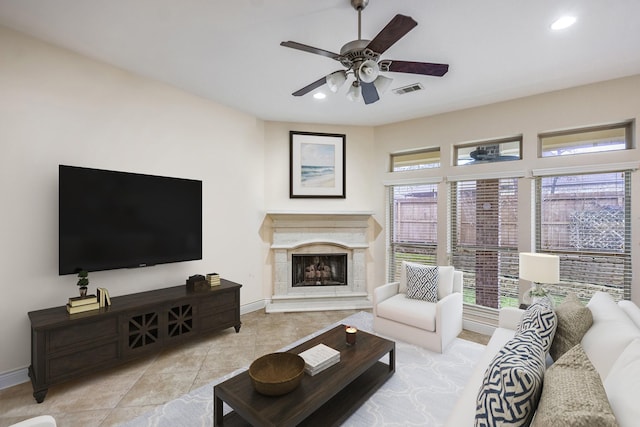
column 308, row 88
column 369, row 92
column 394, row 31
column 311, row 49
column 425, row 68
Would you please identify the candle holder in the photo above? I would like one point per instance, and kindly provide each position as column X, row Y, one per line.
column 351, row 335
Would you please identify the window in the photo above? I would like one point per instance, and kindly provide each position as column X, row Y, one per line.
column 423, row 159
column 586, row 220
column 484, row 221
column 413, row 225
column 489, row 151
column 588, row 140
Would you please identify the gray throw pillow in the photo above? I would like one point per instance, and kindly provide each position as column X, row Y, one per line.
column 574, row 320
column 573, row 394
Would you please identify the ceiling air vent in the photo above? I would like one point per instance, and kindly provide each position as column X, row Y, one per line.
column 406, row 89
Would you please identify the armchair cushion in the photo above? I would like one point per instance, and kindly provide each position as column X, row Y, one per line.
column 408, row 311
column 422, row 282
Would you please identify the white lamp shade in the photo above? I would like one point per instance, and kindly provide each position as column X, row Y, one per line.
column 368, row 71
column 382, row 83
column 336, row 80
column 354, row 92
column 539, row 268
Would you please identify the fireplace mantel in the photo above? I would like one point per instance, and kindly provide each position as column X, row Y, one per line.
column 295, row 232
column 288, row 219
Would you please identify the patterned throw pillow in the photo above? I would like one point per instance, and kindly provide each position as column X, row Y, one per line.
column 422, row 282
column 540, row 316
column 512, row 383
column 574, row 320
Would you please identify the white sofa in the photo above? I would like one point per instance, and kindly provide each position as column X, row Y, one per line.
column 612, row 344
column 432, row 325
column 40, row 421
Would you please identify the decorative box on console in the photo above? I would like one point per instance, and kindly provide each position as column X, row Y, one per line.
column 197, row 282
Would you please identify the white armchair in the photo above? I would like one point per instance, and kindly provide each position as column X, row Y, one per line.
column 429, row 324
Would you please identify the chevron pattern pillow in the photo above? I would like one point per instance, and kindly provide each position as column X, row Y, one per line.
column 512, row 383
column 422, row 282
column 541, row 317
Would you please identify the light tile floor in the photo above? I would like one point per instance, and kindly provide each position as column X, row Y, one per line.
column 111, row 397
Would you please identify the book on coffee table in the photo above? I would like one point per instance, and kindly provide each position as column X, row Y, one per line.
column 319, row 358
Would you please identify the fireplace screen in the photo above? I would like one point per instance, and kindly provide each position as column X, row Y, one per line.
column 319, row 269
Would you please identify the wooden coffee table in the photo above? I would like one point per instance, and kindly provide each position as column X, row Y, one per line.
column 325, row 399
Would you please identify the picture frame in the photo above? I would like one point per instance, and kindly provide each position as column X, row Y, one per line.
column 317, row 165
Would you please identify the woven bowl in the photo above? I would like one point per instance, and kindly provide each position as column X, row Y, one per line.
column 276, row 374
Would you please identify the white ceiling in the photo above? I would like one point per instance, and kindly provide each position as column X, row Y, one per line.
column 228, row 50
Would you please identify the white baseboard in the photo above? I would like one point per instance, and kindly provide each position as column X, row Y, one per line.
column 254, row 306
column 481, row 328
column 9, row 379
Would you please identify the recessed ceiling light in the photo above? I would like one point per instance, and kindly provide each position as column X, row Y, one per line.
column 564, row 22
column 319, row 95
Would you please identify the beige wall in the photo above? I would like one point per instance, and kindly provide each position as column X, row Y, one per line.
column 60, row 108
column 362, row 194
column 606, row 102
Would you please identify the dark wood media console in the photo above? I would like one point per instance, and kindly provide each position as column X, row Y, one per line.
column 65, row 346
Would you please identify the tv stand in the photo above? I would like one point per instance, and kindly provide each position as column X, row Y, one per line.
column 65, row 346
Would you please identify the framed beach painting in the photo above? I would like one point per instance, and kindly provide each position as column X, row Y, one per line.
column 317, row 165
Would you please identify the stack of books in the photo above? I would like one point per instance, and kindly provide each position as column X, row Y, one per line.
column 319, row 358
column 82, row 304
column 213, row 279
column 103, row 297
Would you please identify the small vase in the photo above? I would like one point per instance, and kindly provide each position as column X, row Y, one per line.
column 83, row 291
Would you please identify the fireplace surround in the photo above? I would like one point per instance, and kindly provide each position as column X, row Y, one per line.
column 332, row 248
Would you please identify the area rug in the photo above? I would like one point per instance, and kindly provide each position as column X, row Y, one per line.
column 422, row 391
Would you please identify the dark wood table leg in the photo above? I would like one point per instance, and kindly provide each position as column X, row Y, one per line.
column 39, row 395
column 217, row 410
column 392, row 359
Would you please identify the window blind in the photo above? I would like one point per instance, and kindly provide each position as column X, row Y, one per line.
column 484, row 233
column 413, row 226
column 422, row 159
column 586, row 220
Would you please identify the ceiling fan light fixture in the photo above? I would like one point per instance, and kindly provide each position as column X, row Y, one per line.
column 368, row 71
column 382, row 84
column 354, row 92
column 336, row 80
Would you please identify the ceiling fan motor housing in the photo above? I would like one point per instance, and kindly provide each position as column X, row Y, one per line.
column 356, row 52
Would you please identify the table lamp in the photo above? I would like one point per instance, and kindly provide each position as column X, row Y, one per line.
column 539, row 268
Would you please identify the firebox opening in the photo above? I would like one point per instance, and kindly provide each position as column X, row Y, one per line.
column 319, row 269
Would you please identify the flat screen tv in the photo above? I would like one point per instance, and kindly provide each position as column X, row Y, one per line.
column 110, row 220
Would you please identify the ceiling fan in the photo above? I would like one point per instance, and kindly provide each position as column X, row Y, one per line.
column 362, row 59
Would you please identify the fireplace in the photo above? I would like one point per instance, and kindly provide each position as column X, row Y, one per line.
column 319, row 261
column 319, row 270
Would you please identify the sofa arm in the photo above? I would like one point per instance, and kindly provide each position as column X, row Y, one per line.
column 509, row 317
column 384, row 292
